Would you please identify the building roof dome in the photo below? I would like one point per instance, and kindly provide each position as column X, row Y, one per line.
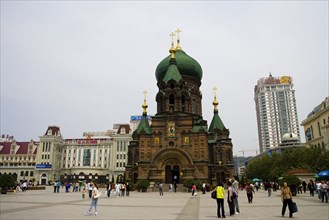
column 290, row 137
column 186, row 65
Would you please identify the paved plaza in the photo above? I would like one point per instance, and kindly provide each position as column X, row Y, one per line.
column 44, row 204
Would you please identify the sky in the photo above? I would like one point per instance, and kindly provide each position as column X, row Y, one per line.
column 83, row 65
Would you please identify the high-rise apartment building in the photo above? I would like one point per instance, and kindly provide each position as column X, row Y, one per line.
column 276, row 110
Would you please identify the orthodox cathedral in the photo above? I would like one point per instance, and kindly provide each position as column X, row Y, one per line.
column 179, row 145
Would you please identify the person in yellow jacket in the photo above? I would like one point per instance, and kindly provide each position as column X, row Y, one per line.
column 220, row 200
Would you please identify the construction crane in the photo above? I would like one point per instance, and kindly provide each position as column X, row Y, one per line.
column 255, row 150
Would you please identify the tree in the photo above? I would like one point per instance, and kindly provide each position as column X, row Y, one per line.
column 190, row 182
column 278, row 164
column 143, row 184
column 6, row 181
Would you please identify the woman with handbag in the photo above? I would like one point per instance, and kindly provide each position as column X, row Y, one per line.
column 94, row 199
column 220, row 195
column 286, row 198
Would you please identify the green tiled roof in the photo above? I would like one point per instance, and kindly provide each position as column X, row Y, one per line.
column 216, row 122
column 197, row 128
column 172, row 73
column 144, row 126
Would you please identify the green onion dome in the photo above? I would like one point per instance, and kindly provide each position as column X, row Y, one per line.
column 186, row 65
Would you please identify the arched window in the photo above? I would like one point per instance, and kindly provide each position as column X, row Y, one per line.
column 171, row 103
column 193, row 107
column 183, row 103
column 171, row 100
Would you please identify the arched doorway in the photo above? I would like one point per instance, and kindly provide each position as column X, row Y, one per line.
column 176, row 175
column 135, row 177
column 168, row 176
column 172, row 174
column 44, row 179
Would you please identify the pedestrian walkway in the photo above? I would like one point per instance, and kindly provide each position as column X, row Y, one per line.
column 44, row 205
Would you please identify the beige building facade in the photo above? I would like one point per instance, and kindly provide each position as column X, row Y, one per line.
column 97, row 156
column 316, row 126
column 18, row 159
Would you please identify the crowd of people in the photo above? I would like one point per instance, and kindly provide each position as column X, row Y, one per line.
column 233, row 188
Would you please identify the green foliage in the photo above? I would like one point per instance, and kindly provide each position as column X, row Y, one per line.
column 190, row 182
column 7, row 181
column 142, row 184
column 270, row 168
column 291, row 181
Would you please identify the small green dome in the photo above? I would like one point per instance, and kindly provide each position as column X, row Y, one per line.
column 186, row 65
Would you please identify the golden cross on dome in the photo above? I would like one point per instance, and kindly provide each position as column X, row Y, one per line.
column 178, row 39
column 215, row 103
column 172, row 49
column 215, row 89
column 145, row 92
column 172, row 38
column 177, row 31
column 144, row 106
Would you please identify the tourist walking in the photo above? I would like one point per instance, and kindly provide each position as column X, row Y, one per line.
column 250, row 191
column 90, row 189
column 94, row 198
column 193, row 189
column 55, row 186
column 324, row 191
column 123, row 189
column 304, row 184
column 170, row 187
column 83, row 192
column 220, row 195
column 127, row 188
column 311, row 187
column 230, row 198
column 269, row 189
column 109, row 188
column 58, row 185
column 160, row 188
column 117, row 189
column 235, row 187
column 286, row 198
column 203, row 188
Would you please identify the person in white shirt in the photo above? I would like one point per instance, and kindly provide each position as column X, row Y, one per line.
column 235, row 188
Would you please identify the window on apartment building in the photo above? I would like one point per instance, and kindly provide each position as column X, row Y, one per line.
column 22, row 173
column 117, row 164
column 31, row 173
column 319, row 129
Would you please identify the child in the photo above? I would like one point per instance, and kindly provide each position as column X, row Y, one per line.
column 83, row 192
